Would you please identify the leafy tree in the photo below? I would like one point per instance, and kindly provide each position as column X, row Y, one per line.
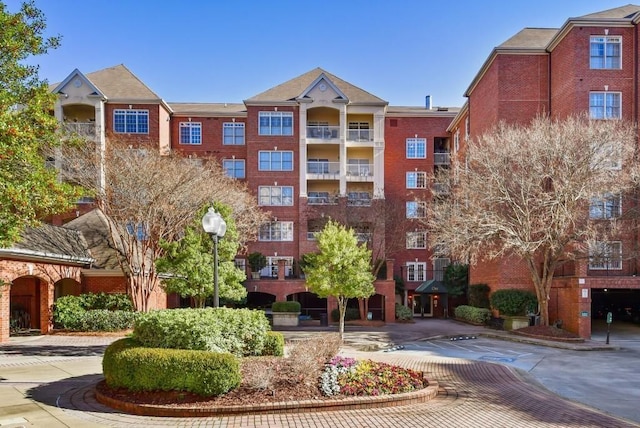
column 189, row 262
column 341, row 268
column 456, row 277
column 29, row 191
column 524, row 192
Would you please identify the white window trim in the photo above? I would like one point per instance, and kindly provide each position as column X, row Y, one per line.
column 418, row 174
column 270, row 188
column 121, row 111
column 190, row 126
column 234, row 125
column 280, row 114
column 416, row 141
column 420, row 209
column 271, row 152
column 605, row 93
column 607, row 39
column 416, row 271
column 413, row 239
column 286, row 226
column 603, row 201
column 244, row 167
column 609, row 264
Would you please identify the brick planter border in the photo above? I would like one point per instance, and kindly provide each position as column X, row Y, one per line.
column 303, row 406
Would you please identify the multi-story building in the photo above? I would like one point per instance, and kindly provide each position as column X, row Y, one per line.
column 318, row 147
column 590, row 64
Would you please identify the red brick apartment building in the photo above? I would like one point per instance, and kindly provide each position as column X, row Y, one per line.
column 318, row 147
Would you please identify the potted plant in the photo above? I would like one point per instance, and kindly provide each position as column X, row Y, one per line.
column 513, row 305
column 257, row 262
column 285, row 313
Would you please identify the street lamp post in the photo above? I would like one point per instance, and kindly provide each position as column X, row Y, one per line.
column 214, row 225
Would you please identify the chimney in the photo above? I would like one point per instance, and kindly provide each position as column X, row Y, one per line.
column 428, row 102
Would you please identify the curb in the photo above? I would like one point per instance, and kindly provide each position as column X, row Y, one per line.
column 305, row 406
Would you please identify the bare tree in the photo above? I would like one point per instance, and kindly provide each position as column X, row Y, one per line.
column 526, row 191
column 147, row 197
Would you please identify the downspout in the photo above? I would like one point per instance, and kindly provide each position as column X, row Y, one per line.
column 634, row 117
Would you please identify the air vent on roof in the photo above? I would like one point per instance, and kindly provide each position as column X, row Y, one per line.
column 427, row 100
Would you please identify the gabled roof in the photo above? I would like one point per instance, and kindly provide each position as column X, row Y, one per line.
column 296, row 87
column 95, row 229
column 622, row 12
column 530, row 38
column 51, row 243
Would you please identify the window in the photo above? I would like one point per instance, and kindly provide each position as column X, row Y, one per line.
column 234, row 167
column 190, row 133
column 131, row 121
column 416, row 209
column 417, row 180
column 275, row 123
column 605, row 105
column 605, row 52
column 275, row 195
column 275, row 161
column 605, row 255
column 456, row 141
column 358, row 199
column 416, row 240
column 271, row 270
column 466, row 128
column 416, row 271
column 276, row 231
column 233, row 134
column 607, row 206
column 416, row 148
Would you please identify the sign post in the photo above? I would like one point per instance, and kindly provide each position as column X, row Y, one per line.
column 609, row 319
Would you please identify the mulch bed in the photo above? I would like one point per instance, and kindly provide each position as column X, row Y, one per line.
column 548, row 333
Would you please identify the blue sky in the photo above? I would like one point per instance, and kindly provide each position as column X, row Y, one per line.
column 228, row 51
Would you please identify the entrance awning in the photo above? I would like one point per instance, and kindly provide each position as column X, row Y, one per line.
column 432, row 286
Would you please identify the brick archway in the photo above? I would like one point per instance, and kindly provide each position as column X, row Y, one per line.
column 31, row 284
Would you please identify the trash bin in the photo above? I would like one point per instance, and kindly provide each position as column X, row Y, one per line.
column 324, row 321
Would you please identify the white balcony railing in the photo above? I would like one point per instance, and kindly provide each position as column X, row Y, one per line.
column 360, row 170
column 323, row 132
column 360, row 135
column 441, row 158
column 324, row 170
column 83, row 129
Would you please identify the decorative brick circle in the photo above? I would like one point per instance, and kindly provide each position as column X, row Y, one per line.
column 303, row 406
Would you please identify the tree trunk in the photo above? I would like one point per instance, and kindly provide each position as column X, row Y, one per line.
column 342, row 309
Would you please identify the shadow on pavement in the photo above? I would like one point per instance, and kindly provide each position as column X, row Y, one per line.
column 53, row 350
column 50, row 393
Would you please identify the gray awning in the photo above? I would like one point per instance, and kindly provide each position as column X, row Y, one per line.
column 432, row 286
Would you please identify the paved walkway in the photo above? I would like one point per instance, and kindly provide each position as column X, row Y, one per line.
column 47, row 382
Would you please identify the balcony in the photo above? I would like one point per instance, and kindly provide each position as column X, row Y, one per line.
column 322, row 200
column 360, row 135
column 441, row 158
column 360, row 172
column 322, row 170
column 323, row 132
column 82, row 129
column 358, row 199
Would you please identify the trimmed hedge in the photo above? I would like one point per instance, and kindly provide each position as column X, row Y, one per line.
column 94, row 312
column 128, row 365
column 274, row 344
column 288, row 306
column 241, row 332
column 472, row 314
column 513, row 301
column 403, row 313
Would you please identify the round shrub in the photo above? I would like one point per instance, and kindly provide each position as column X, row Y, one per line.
column 241, row 332
column 513, row 302
column 128, row 365
column 274, row 344
column 403, row 313
column 288, row 306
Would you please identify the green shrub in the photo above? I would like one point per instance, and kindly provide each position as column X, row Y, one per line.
column 288, row 306
column 350, row 314
column 94, row 312
column 126, row 364
column 513, row 302
column 240, row 332
column 274, row 344
column 479, row 296
column 473, row 314
column 403, row 312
